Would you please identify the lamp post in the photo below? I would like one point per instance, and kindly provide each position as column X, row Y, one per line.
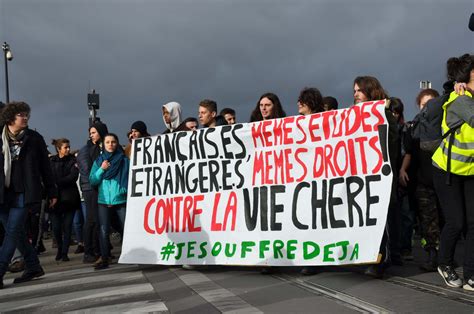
column 8, row 57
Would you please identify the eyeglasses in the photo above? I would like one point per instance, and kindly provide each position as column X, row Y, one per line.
column 23, row 115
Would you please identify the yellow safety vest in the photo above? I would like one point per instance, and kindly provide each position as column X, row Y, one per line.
column 461, row 140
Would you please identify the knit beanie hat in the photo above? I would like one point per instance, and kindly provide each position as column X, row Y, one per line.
column 140, row 126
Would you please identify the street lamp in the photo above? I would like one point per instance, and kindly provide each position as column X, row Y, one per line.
column 8, row 57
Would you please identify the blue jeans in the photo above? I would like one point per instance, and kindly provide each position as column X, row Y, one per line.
column 62, row 229
column 104, row 225
column 13, row 218
column 78, row 222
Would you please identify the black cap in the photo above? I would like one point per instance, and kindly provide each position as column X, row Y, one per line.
column 140, row 126
column 101, row 129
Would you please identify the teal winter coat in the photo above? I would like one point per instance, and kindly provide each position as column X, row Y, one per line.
column 110, row 191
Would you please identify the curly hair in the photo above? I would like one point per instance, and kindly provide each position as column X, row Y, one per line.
column 312, row 98
column 277, row 111
column 8, row 114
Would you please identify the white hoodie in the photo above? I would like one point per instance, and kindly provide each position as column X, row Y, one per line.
column 175, row 115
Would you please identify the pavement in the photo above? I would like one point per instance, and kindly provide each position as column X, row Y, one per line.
column 75, row 287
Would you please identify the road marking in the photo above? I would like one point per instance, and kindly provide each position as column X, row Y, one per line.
column 109, row 278
column 132, row 307
column 54, row 302
column 221, row 298
column 341, row 298
column 453, row 294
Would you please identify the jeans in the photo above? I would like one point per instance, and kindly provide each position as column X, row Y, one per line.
column 457, row 204
column 104, row 222
column 78, row 222
column 91, row 225
column 62, row 229
column 13, row 218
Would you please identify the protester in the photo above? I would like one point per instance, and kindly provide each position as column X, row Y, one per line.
column 65, row 174
column 310, row 101
column 85, row 158
column 138, row 129
column 25, row 169
column 268, row 107
column 207, row 113
column 189, row 124
column 110, row 174
column 171, row 116
column 368, row 88
column 229, row 115
column 416, row 176
column 330, row 103
column 453, row 174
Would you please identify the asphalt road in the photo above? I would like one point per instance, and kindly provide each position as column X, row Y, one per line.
column 76, row 287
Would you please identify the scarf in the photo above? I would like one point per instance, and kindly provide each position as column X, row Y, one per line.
column 117, row 169
column 8, row 137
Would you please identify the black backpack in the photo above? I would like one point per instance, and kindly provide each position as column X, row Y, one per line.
column 427, row 125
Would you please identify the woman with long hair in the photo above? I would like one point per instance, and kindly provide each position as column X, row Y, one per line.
column 110, row 173
column 65, row 173
column 268, row 107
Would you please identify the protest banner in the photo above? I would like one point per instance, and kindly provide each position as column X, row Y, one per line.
column 302, row 190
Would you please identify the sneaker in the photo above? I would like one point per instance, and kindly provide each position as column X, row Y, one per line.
column 29, row 275
column 469, row 285
column 101, row 264
column 309, row 270
column 375, row 271
column 450, row 276
column 80, row 249
column 17, row 266
column 65, row 258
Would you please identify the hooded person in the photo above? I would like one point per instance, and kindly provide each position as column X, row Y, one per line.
column 85, row 159
column 137, row 130
column 171, row 116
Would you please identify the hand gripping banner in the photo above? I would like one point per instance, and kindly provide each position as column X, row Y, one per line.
column 302, row 190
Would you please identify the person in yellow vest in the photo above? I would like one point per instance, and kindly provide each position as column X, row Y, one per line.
column 453, row 174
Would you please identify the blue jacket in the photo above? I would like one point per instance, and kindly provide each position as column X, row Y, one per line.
column 110, row 191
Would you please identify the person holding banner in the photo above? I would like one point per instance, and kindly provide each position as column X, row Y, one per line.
column 268, row 107
column 171, row 116
column 368, row 88
column 453, row 174
column 110, row 173
column 310, row 101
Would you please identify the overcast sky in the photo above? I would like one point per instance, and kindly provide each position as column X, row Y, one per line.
column 139, row 55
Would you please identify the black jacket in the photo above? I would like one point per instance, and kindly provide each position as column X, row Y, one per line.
column 86, row 156
column 65, row 175
column 35, row 169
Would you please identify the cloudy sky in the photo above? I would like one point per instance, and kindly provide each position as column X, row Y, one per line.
column 139, row 55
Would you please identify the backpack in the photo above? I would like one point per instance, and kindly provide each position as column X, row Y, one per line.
column 427, row 126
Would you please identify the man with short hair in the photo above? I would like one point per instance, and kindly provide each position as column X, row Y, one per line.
column 207, row 113
column 229, row 115
column 26, row 170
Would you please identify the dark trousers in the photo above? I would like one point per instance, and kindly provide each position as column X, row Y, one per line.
column 91, row 225
column 457, row 204
column 62, row 229
column 105, row 213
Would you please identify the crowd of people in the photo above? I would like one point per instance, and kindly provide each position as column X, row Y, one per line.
column 432, row 160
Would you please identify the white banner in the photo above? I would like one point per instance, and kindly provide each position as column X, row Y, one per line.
column 302, row 190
